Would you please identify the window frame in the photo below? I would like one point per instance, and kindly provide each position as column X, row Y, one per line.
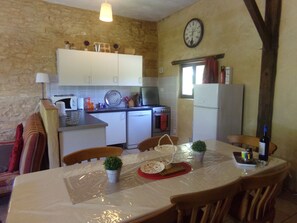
column 193, row 65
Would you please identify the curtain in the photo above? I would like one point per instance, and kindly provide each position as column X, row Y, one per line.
column 210, row 74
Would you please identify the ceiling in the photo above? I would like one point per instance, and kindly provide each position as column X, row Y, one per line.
column 148, row 10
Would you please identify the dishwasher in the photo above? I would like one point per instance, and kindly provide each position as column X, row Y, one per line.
column 139, row 127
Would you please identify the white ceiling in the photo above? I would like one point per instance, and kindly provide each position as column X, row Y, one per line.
column 148, row 10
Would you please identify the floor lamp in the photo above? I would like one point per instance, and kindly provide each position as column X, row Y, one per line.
column 42, row 78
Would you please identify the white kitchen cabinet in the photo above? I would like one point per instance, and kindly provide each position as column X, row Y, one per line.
column 104, row 68
column 86, row 68
column 116, row 129
column 80, row 68
column 72, row 141
column 72, row 70
column 130, row 70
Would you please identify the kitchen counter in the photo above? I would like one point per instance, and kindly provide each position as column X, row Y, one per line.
column 119, row 109
column 84, row 131
column 85, row 121
column 88, row 121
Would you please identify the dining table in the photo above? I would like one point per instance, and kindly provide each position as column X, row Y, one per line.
column 82, row 192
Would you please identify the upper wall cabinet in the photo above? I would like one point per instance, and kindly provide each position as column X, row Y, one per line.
column 130, row 70
column 71, row 69
column 79, row 68
column 104, row 68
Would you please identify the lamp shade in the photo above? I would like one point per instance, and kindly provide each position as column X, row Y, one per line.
column 42, row 78
column 105, row 12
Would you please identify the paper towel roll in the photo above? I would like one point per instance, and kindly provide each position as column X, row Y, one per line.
column 61, row 108
column 80, row 103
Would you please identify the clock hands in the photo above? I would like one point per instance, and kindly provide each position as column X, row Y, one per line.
column 193, row 32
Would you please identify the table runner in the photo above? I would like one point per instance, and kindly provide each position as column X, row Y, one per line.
column 94, row 184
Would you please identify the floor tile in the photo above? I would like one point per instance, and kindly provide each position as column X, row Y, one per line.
column 286, row 207
column 293, row 219
column 3, row 208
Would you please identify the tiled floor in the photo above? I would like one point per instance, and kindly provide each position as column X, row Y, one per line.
column 286, row 208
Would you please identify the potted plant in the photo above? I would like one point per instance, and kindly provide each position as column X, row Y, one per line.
column 199, row 148
column 113, row 165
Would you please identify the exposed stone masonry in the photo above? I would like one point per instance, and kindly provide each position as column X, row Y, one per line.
column 30, row 33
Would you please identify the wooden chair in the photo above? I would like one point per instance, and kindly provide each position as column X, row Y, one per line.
column 91, row 153
column 249, row 141
column 256, row 202
column 164, row 215
column 206, row 206
column 150, row 143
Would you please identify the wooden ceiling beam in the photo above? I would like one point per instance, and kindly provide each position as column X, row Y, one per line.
column 254, row 11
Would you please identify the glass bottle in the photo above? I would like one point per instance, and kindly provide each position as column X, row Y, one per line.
column 222, row 75
column 264, row 145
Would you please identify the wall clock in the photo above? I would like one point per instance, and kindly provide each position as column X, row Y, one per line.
column 193, row 33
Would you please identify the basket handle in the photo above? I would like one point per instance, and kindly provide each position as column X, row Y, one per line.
column 163, row 137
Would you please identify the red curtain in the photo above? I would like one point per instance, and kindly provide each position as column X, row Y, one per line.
column 210, row 74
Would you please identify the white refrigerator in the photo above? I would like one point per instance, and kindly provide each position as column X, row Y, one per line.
column 217, row 111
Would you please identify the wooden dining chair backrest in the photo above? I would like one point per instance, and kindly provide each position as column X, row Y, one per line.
column 245, row 141
column 91, row 153
column 164, row 215
column 206, row 206
column 256, row 201
column 150, row 143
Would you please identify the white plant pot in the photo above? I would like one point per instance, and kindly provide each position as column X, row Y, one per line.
column 113, row 175
column 198, row 156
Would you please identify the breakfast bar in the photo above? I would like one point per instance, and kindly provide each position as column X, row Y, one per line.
column 81, row 192
column 79, row 130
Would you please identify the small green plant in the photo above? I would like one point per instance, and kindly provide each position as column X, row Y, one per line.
column 199, row 146
column 113, row 163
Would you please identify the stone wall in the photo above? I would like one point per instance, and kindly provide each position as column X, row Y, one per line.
column 32, row 30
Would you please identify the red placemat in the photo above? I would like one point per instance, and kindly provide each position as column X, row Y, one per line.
column 158, row 176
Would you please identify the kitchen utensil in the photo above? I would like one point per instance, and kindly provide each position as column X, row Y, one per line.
column 113, row 98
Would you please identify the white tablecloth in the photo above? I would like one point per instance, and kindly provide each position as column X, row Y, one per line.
column 44, row 197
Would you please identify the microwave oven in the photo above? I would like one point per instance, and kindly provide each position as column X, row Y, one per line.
column 69, row 100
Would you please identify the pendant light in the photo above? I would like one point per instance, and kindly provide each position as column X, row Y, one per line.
column 105, row 12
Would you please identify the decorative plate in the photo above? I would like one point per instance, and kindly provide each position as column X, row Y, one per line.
column 166, row 148
column 152, row 167
column 113, row 98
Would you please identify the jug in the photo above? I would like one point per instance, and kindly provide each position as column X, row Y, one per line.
column 61, row 108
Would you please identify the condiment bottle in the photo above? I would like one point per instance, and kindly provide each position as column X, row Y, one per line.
column 222, row 75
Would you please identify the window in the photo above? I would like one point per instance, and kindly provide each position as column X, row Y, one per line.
column 190, row 74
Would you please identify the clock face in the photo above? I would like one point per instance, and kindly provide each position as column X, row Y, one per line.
column 193, row 33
